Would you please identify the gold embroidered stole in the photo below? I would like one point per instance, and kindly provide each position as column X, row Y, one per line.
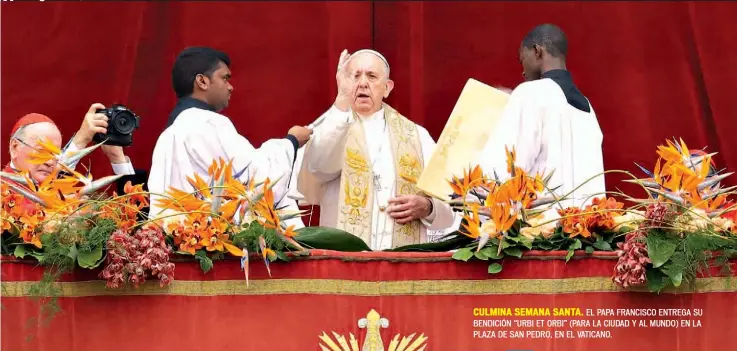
column 357, row 193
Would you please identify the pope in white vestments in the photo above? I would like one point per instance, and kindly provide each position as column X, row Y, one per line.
column 363, row 161
column 549, row 123
column 198, row 134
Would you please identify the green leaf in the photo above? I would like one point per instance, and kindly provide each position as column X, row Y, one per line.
column 545, row 245
column 330, row 239
column 481, row 255
column 676, row 278
column 590, row 249
column 513, row 251
column 656, row 280
column 602, row 245
column 205, row 262
column 527, row 242
column 282, row 256
column 492, row 252
column 20, row 251
column 463, row 254
column 36, row 254
column 506, row 244
column 495, row 268
column 576, row 245
column 449, row 242
column 569, row 255
column 72, row 252
column 515, row 239
column 90, row 259
column 674, row 272
column 660, row 249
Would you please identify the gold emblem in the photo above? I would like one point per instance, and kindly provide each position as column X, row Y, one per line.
column 372, row 342
column 409, row 168
column 355, row 161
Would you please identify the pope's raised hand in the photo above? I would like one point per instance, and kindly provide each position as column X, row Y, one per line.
column 345, row 85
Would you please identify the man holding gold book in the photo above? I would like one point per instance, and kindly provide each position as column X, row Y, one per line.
column 364, row 159
column 549, row 123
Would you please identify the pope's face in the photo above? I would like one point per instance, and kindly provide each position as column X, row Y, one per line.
column 371, row 84
column 23, row 147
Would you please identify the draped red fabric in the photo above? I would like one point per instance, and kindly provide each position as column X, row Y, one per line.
column 433, row 296
column 652, row 70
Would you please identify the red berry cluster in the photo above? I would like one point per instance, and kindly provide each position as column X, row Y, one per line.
column 133, row 258
column 633, row 259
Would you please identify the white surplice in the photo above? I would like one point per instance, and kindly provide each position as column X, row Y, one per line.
column 323, row 161
column 290, row 202
column 197, row 138
column 549, row 134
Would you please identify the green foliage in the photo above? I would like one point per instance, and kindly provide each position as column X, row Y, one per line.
column 8, row 241
column 463, row 254
column 330, row 239
column 449, row 242
column 514, row 245
column 47, row 293
column 90, row 259
column 678, row 259
column 495, row 268
column 513, row 251
column 249, row 234
column 205, row 262
column 660, row 247
column 75, row 241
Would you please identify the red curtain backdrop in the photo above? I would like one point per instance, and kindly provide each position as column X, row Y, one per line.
column 651, row 70
column 435, row 297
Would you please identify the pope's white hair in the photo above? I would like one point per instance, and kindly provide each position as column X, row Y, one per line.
column 375, row 53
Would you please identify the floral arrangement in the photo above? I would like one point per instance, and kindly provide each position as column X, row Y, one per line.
column 685, row 226
column 65, row 222
column 225, row 214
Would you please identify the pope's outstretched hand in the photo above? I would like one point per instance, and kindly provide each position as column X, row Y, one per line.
column 345, row 83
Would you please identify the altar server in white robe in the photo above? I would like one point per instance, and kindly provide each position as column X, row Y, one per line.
column 197, row 134
column 549, row 123
column 364, row 158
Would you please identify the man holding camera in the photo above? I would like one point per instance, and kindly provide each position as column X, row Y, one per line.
column 33, row 128
column 197, row 134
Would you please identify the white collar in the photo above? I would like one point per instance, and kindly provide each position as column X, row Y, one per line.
column 378, row 115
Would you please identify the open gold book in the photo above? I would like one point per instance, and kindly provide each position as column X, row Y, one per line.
column 474, row 117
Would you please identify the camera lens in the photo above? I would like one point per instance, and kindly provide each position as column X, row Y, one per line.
column 124, row 123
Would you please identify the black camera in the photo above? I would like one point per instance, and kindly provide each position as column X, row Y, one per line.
column 121, row 123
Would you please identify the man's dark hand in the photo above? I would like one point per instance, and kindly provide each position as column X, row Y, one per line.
column 407, row 208
column 302, row 134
